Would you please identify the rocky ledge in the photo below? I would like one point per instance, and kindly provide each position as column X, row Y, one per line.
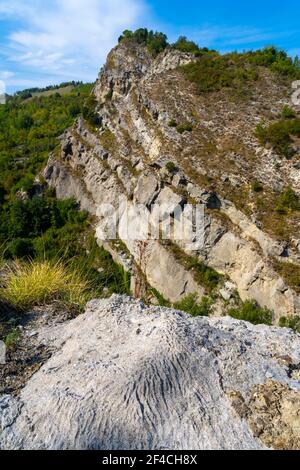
column 127, row 376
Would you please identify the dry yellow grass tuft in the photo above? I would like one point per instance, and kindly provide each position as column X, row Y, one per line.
column 25, row 285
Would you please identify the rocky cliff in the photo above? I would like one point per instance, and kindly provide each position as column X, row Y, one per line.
column 159, row 141
column 127, row 376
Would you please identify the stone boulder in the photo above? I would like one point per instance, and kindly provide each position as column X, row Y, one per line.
column 127, row 376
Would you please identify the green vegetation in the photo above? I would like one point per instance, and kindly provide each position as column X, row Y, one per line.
column 38, row 282
column 156, row 42
column 251, row 312
column 279, row 135
column 288, row 113
column 203, row 275
column 12, row 339
column 29, row 131
column 191, row 305
column 172, row 123
column 171, row 167
column 30, row 92
column 292, row 322
column 185, row 45
column 290, row 273
column 288, row 201
column 213, row 71
column 187, row 127
column 89, row 112
column 160, row 298
column 40, row 235
column 257, row 187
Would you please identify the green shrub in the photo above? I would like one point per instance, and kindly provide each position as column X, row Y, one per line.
column 12, row 339
column 20, row 248
column 184, row 45
column 191, row 305
column 172, row 123
column 89, row 111
column 212, row 72
column 257, row 187
column 288, row 201
column 187, row 127
column 278, row 134
column 155, row 42
column 290, row 322
column 277, row 60
column 288, row 113
column 252, row 313
column 171, row 167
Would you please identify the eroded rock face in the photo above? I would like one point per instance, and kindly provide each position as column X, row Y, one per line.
column 126, row 376
column 139, row 155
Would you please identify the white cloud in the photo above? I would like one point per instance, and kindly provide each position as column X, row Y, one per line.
column 67, row 38
column 6, row 74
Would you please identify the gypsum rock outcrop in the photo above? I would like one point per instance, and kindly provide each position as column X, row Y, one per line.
column 127, row 376
column 137, row 97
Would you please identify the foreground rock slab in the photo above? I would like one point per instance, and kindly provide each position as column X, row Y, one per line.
column 127, row 376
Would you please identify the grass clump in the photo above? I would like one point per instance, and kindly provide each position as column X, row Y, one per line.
column 26, row 285
column 251, row 312
column 191, row 305
column 12, row 339
column 288, row 113
column 290, row 322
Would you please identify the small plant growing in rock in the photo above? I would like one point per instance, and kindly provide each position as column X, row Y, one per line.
column 257, row 187
column 184, row 128
column 191, row 305
column 12, row 339
column 171, row 167
column 251, row 312
column 172, row 123
column 290, row 322
column 279, row 135
column 288, row 113
column 288, row 201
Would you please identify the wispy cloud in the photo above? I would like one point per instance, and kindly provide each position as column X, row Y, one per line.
column 236, row 37
column 67, row 38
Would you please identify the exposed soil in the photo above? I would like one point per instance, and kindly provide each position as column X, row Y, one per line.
column 26, row 355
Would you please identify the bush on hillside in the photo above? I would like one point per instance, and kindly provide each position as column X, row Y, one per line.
column 191, row 305
column 290, row 322
column 288, row 201
column 184, row 45
column 279, row 135
column 251, row 312
column 288, row 113
column 155, row 41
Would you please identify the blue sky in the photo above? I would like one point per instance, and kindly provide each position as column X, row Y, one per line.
column 49, row 42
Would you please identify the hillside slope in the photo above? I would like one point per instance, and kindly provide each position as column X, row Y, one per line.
column 161, row 136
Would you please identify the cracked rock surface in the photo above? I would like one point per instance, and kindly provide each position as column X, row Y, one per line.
column 127, row 376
